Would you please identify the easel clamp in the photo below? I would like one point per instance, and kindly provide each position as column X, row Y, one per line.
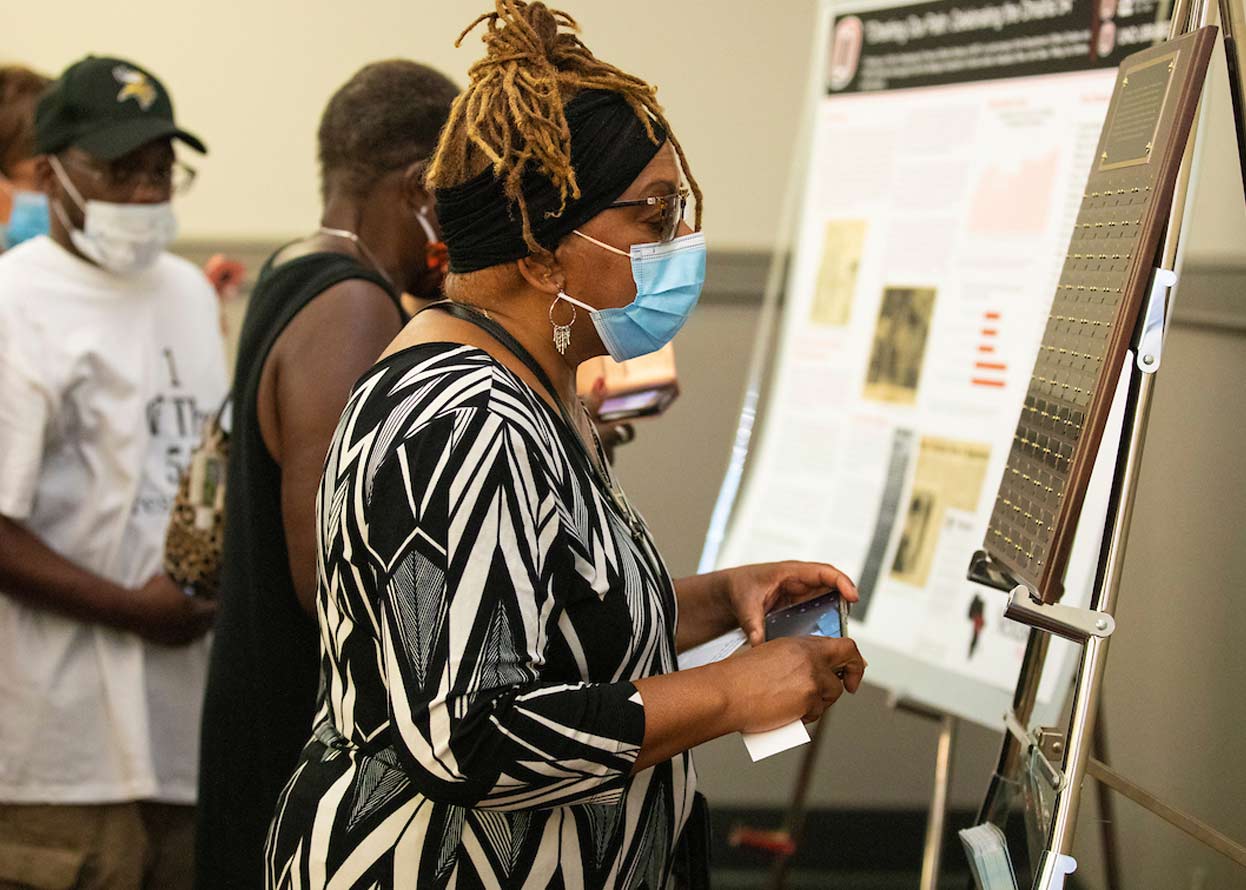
column 1154, row 317
column 1044, row 744
column 1069, row 622
column 1025, row 606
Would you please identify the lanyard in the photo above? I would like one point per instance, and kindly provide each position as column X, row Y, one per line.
column 607, row 482
column 640, row 536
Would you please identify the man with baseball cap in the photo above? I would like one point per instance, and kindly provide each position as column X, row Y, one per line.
column 110, row 359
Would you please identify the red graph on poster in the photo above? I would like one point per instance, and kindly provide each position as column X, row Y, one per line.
column 1014, row 199
column 989, row 369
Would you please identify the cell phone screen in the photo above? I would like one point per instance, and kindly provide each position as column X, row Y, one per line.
column 823, row 616
column 631, row 403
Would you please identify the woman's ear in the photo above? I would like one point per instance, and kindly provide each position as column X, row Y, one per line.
column 542, row 272
column 46, row 177
column 414, row 188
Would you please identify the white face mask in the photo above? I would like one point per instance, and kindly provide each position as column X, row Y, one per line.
column 122, row 238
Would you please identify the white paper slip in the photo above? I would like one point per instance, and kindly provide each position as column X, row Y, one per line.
column 761, row 745
column 715, row 650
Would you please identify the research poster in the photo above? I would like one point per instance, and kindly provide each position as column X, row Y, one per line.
column 950, row 147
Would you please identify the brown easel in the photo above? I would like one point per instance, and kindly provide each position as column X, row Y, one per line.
column 1030, row 567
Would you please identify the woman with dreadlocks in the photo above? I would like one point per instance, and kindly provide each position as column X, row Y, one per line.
column 500, row 699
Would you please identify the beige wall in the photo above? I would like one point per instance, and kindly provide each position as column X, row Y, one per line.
column 1217, row 232
column 252, row 76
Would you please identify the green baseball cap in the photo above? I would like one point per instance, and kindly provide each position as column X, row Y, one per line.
column 108, row 108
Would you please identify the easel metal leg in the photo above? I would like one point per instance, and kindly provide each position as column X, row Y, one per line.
column 1195, row 828
column 1107, row 807
column 937, row 821
column 795, row 822
column 1094, row 656
column 1077, row 751
column 1233, row 26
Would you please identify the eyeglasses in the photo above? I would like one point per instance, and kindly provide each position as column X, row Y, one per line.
column 671, row 209
column 176, row 179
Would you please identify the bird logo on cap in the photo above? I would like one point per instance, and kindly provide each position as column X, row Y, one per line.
column 135, row 85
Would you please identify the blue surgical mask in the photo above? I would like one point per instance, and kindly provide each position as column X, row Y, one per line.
column 668, row 276
column 29, row 218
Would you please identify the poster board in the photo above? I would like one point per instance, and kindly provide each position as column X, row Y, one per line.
column 949, row 150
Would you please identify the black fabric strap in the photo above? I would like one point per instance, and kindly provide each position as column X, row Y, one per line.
column 600, row 476
column 503, row 336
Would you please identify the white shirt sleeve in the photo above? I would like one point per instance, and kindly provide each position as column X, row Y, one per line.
column 26, row 409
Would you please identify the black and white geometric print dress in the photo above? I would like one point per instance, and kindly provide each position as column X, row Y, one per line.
column 483, row 609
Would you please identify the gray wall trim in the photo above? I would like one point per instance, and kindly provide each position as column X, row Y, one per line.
column 1211, row 294
column 732, row 276
column 736, row 276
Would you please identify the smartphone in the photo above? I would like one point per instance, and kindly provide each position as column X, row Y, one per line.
column 823, row 616
column 645, row 403
column 642, row 387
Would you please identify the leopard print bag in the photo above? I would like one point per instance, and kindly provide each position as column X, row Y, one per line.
column 195, row 538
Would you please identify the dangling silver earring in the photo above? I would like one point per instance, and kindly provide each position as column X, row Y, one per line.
column 562, row 332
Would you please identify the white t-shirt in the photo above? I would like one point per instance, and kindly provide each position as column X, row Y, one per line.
column 104, row 385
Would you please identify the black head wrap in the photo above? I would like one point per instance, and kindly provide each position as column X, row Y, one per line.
column 609, row 148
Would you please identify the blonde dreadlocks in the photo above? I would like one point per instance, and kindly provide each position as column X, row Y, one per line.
column 511, row 116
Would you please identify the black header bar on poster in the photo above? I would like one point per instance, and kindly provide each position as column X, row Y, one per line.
column 964, row 41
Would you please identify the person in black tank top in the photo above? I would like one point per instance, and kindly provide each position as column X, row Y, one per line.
column 320, row 313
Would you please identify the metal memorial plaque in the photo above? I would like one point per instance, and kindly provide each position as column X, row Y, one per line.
column 1095, row 310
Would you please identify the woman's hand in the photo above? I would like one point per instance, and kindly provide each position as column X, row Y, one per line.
column 713, row 604
column 757, row 690
column 792, row 677
column 752, row 592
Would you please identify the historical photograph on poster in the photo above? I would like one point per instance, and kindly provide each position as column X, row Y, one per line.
column 949, row 475
column 895, row 365
column 837, row 272
column 918, row 533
